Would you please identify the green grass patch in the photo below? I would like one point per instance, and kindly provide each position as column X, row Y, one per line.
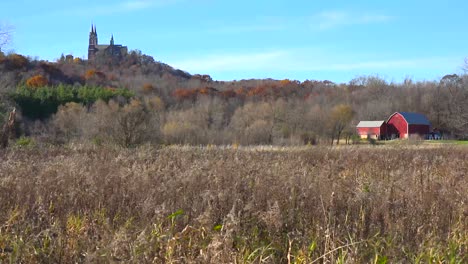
column 455, row 142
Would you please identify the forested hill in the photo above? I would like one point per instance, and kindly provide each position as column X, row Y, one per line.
column 193, row 108
column 136, row 71
column 133, row 70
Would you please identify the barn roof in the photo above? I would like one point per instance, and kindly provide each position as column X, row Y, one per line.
column 370, row 123
column 413, row 118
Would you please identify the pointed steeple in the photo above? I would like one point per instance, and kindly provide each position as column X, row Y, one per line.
column 112, row 40
column 95, row 31
column 92, row 28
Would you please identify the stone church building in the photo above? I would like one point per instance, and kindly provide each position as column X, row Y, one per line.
column 97, row 50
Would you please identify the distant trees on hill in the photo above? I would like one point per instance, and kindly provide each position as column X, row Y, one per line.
column 41, row 102
column 194, row 109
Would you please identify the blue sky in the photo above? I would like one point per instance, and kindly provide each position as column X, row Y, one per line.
column 316, row 40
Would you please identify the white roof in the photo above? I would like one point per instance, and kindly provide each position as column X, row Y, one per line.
column 370, row 123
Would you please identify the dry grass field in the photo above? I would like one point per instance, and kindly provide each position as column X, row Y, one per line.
column 80, row 204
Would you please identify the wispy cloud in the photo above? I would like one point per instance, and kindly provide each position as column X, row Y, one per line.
column 333, row 19
column 321, row 21
column 259, row 24
column 384, row 64
column 135, row 5
column 122, row 7
column 230, row 62
column 236, row 29
column 298, row 61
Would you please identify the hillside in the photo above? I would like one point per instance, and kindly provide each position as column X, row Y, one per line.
column 194, row 109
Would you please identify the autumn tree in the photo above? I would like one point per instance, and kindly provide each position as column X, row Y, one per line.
column 95, row 77
column 340, row 117
column 37, row 81
column 147, row 88
column 17, row 61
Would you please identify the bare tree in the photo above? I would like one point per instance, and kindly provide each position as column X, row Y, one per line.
column 254, row 123
column 340, row 118
column 457, row 87
column 7, row 129
column 465, row 66
column 72, row 121
column 5, row 35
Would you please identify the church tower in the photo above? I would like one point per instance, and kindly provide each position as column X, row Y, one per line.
column 93, row 42
column 98, row 52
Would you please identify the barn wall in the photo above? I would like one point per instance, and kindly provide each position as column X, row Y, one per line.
column 368, row 130
column 372, row 132
column 384, row 129
column 419, row 129
column 397, row 125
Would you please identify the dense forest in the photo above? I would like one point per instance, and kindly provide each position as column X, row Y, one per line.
column 137, row 100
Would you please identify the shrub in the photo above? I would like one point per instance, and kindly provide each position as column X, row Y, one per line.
column 25, row 142
column 179, row 132
column 308, row 138
column 372, row 141
column 355, row 139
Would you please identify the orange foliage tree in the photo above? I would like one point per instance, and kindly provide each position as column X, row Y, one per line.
column 89, row 74
column 37, row 81
column 77, row 60
column 228, row 94
column 148, row 88
column 258, row 91
column 183, row 94
column 93, row 73
column 208, row 91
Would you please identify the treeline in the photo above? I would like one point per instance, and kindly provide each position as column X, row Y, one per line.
column 71, row 100
column 42, row 102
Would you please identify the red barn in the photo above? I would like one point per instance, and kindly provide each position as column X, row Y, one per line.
column 405, row 124
column 372, row 129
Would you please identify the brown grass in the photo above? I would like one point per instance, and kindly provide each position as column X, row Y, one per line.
column 213, row 205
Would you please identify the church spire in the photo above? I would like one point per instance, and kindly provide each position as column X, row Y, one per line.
column 112, row 40
column 92, row 28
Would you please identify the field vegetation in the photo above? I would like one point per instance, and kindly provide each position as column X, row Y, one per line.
column 133, row 161
column 367, row 204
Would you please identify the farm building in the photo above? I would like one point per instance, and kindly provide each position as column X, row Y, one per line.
column 406, row 124
column 372, row 129
column 398, row 125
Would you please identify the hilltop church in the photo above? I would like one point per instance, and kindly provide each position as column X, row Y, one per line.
column 96, row 50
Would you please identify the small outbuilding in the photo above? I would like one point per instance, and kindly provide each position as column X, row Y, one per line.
column 372, row 129
column 406, row 124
